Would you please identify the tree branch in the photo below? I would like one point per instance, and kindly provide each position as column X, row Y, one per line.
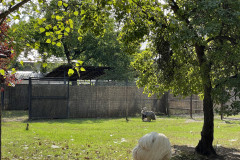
column 152, row 18
column 232, row 40
column 11, row 9
column 176, row 9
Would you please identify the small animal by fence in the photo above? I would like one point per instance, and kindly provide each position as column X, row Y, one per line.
column 153, row 146
column 147, row 116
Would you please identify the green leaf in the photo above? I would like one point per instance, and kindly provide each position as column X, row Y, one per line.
column 82, row 69
column 21, row 62
column 42, row 30
column 70, row 72
column 59, row 36
column 80, row 62
column 59, row 3
column 40, row 21
column 65, row 4
column 58, row 18
column 2, row 72
column 70, row 21
column 48, row 41
column 82, row 12
column 58, row 32
column 67, row 29
column 80, row 39
column 13, row 71
column 65, row 34
column 71, row 25
column 47, row 34
column 44, row 65
column 76, row 13
column 55, row 28
column 59, row 44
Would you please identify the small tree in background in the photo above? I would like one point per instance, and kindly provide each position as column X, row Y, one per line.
column 6, row 57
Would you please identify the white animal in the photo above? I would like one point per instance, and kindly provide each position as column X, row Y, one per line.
column 153, row 146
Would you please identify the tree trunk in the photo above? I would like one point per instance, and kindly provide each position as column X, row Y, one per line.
column 1, row 131
column 67, row 53
column 204, row 146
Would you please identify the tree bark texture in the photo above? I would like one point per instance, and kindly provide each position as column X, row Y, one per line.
column 204, row 146
column 67, row 53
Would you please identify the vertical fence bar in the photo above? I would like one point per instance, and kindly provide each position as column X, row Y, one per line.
column 126, row 98
column 191, row 106
column 67, row 97
column 167, row 104
column 30, row 98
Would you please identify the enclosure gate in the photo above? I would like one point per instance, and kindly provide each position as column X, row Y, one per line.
column 53, row 100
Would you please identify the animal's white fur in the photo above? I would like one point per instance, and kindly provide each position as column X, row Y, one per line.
column 153, row 146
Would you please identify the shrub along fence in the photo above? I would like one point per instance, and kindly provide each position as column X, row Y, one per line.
column 87, row 101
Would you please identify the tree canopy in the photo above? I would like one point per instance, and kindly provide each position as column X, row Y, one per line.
column 194, row 48
column 95, row 49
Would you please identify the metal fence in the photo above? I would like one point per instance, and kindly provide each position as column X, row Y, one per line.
column 66, row 100
column 47, row 101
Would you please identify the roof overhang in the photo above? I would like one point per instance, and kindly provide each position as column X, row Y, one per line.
column 90, row 73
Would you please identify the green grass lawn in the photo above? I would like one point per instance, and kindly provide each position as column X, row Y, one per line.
column 102, row 138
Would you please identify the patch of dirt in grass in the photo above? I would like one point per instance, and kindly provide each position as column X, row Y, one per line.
column 188, row 153
column 14, row 116
column 17, row 119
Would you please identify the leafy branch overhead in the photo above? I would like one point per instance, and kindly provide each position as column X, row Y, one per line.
column 78, row 67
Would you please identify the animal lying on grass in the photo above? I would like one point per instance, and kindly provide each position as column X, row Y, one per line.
column 153, row 146
column 147, row 116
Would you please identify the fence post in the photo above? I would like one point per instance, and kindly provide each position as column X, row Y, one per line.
column 191, row 105
column 30, row 98
column 126, row 100
column 67, row 95
column 167, row 104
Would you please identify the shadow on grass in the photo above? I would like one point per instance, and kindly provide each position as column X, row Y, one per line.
column 71, row 121
column 87, row 120
column 23, row 116
column 188, row 153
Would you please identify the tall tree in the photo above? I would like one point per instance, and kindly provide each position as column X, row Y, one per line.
column 94, row 50
column 194, row 49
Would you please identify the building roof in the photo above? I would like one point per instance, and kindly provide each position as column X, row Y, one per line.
column 23, row 75
column 90, row 73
